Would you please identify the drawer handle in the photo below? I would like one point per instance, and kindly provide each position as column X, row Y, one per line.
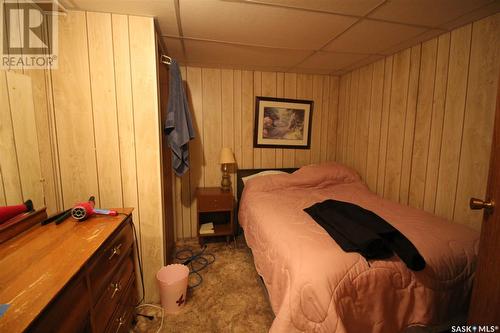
column 121, row 321
column 115, row 251
column 116, row 288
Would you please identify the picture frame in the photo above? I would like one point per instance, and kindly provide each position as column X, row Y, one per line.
column 282, row 123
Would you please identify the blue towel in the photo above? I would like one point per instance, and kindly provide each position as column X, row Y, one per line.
column 178, row 126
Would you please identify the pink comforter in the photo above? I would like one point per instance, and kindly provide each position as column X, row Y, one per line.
column 315, row 286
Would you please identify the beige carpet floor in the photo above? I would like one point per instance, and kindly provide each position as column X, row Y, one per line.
column 231, row 298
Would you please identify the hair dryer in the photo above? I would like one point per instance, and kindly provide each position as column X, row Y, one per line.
column 84, row 210
column 8, row 212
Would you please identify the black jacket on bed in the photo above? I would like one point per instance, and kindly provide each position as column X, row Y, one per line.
column 356, row 229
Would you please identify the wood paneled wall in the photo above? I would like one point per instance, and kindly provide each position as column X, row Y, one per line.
column 20, row 170
column 418, row 125
column 223, row 106
column 26, row 164
column 98, row 128
column 107, row 122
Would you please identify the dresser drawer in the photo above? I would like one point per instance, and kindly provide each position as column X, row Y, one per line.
column 113, row 294
column 69, row 312
column 103, row 268
column 122, row 318
column 215, row 202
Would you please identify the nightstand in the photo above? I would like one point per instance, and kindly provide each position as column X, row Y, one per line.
column 217, row 207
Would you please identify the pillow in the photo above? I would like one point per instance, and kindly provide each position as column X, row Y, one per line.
column 262, row 173
column 319, row 175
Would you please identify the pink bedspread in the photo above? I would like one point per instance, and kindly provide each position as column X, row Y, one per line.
column 315, row 286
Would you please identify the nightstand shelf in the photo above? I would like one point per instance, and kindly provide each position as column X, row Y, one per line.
column 217, row 207
column 219, row 230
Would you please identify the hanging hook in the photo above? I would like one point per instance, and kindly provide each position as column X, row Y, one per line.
column 166, row 59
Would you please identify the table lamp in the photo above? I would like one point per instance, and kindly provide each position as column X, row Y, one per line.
column 226, row 158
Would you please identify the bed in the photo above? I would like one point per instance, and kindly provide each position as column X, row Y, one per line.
column 314, row 286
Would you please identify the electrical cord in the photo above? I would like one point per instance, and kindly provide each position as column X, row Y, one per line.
column 195, row 261
column 139, row 305
column 139, row 260
column 156, row 307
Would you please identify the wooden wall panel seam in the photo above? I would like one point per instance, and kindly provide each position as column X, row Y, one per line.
column 442, row 125
column 463, row 124
column 3, row 201
column 116, row 110
column 98, row 194
column 333, row 90
column 436, row 111
column 420, row 109
column 55, row 144
column 194, row 90
column 280, row 89
column 186, row 181
column 388, row 122
column 415, row 122
column 409, row 133
column 453, row 120
column 138, row 208
column 53, row 129
column 369, row 122
column 9, row 156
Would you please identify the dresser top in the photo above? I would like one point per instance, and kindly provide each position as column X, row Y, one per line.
column 38, row 263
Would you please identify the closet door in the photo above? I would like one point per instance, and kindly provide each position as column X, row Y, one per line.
column 485, row 303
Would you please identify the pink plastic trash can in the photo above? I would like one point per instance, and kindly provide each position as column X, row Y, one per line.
column 173, row 281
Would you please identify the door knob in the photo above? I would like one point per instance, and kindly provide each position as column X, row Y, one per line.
column 481, row 204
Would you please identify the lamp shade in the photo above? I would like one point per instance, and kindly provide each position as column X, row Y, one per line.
column 226, row 156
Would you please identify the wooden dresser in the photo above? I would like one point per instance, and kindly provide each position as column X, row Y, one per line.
column 72, row 277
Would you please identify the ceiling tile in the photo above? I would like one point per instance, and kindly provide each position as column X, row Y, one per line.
column 331, row 61
column 430, row 13
column 492, row 8
column 174, row 48
column 259, row 25
column 163, row 10
column 370, row 37
column 357, row 8
column 238, row 55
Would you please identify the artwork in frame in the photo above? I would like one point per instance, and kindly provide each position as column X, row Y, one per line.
column 282, row 123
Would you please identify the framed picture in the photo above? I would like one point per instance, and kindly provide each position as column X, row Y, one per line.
column 282, row 123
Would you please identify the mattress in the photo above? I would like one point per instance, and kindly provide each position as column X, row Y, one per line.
column 314, row 286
